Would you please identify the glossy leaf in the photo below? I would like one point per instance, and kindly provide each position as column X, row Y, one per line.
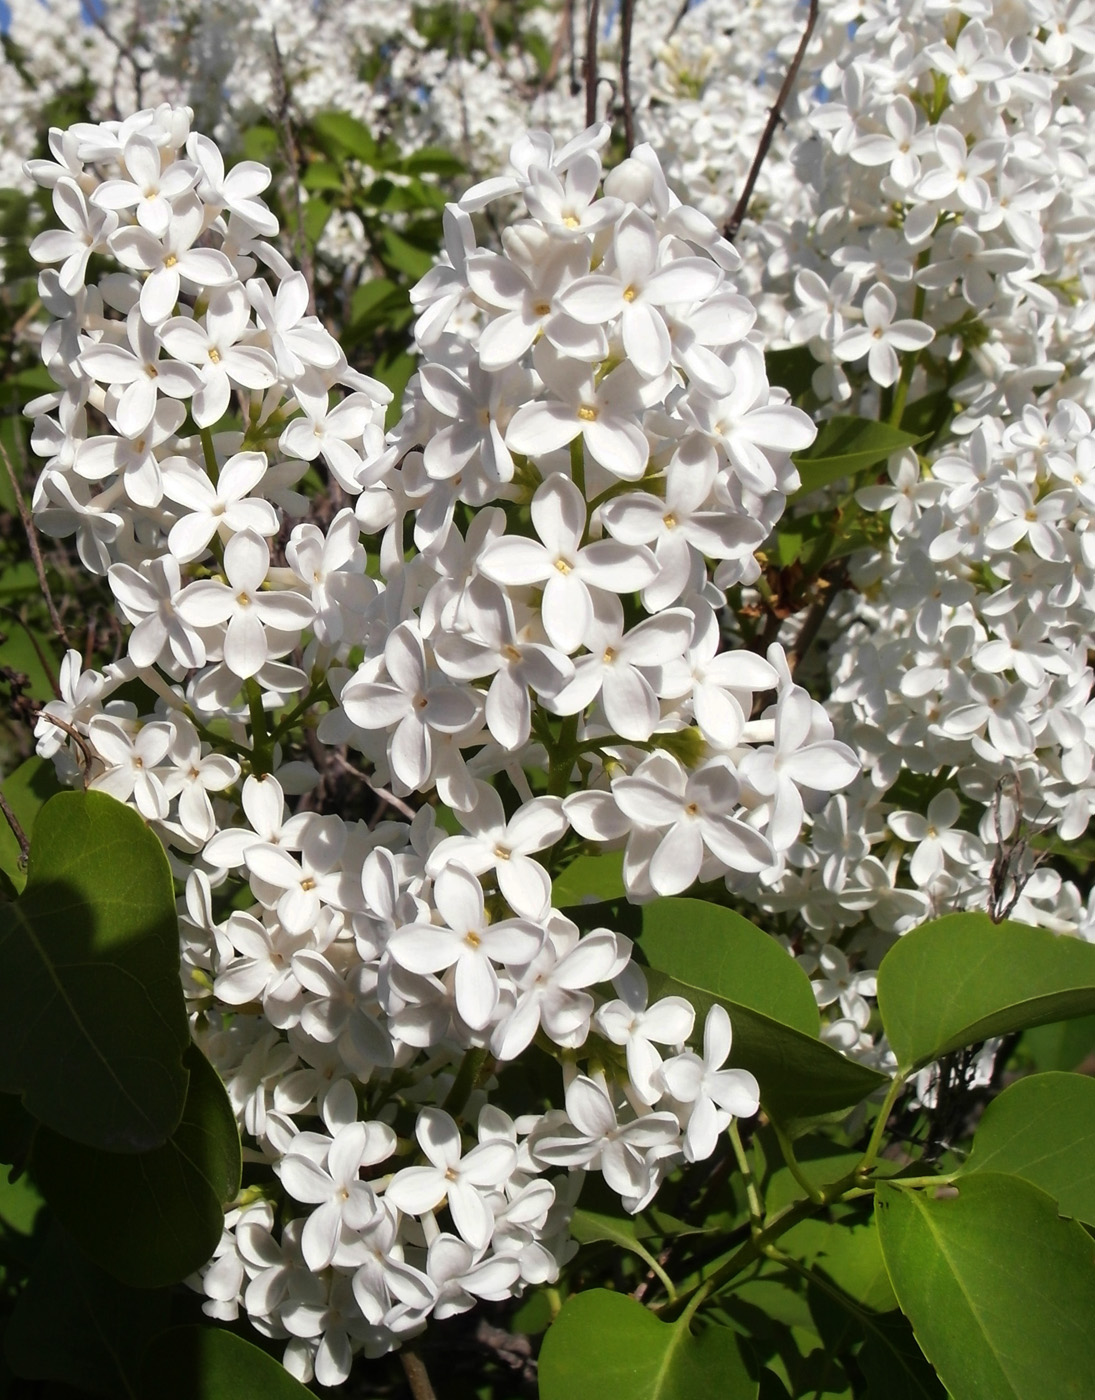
column 1043, row 1129
column 75, row 1324
column 707, row 954
column 208, row 1363
column 607, row 1345
column 26, row 791
column 171, row 1199
column 717, row 949
column 845, row 446
column 962, row 978
column 589, row 879
column 999, row 1289
column 91, row 979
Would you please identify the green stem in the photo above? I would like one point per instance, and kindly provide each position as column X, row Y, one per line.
column 920, row 1182
column 216, row 740
column 578, row 464
column 466, row 1076
column 262, row 748
column 755, row 1247
column 756, row 1209
column 319, row 691
column 897, row 1084
column 787, row 1148
column 561, row 757
column 212, row 466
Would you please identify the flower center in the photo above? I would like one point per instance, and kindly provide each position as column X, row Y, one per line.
column 587, row 413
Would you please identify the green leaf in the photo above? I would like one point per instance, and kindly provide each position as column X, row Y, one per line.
column 22, row 649
column 846, row 446
column 999, row 1289
column 1060, row 1045
column 372, row 299
column 171, row 1199
column 323, row 175
column 316, row 213
column 26, row 792
column 962, row 978
column 92, row 1018
column 208, row 1363
column 715, row 948
column 404, row 256
column 339, row 132
column 20, row 1202
column 929, row 415
column 791, row 369
column 849, row 1253
column 592, row 1227
column 395, row 370
column 1043, row 1129
column 708, row 954
column 590, row 878
column 607, row 1345
column 820, row 1160
column 433, row 160
column 893, row 1365
column 75, row 1324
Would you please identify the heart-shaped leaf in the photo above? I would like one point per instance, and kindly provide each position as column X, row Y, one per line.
column 171, row 1199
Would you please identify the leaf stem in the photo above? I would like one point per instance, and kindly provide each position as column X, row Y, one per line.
column 756, row 1208
column 870, row 1156
column 793, row 1166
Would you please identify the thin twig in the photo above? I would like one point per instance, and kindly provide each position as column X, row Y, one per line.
column 738, row 216
column 591, row 61
column 684, row 8
column 385, row 796
column 627, row 16
column 16, row 830
column 84, row 744
column 35, row 549
column 811, row 625
column 291, row 150
column 562, row 32
column 572, row 56
column 418, row 1378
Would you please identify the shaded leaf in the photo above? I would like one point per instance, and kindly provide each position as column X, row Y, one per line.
column 74, row 1323
column 172, row 1199
column 1059, row 1045
column 208, row 1363
column 962, row 978
column 92, row 1018
column 893, row 1365
column 999, row 1289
